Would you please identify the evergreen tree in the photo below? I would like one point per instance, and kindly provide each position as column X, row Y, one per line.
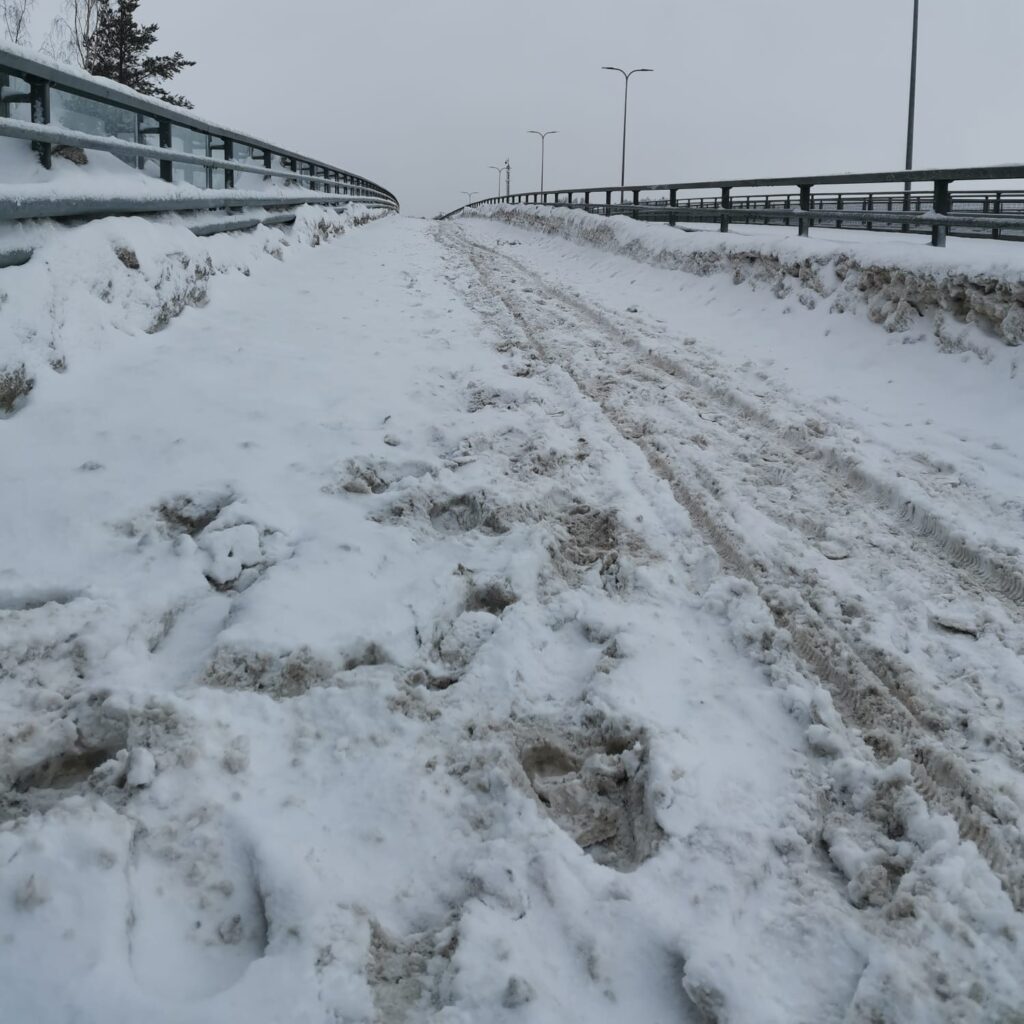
column 119, row 46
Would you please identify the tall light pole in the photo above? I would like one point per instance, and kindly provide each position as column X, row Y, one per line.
column 625, row 109
column 500, row 170
column 543, row 136
column 913, row 98
column 508, row 179
column 469, row 196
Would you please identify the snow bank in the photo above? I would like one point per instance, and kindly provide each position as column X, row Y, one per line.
column 129, row 274
column 964, row 296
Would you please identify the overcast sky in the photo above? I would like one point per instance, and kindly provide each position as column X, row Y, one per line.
column 422, row 95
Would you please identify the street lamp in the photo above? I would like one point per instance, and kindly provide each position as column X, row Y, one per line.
column 543, row 136
column 910, row 115
column 469, row 196
column 625, row 107
column 500, row 170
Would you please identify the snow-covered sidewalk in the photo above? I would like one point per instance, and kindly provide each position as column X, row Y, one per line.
column 410, row 635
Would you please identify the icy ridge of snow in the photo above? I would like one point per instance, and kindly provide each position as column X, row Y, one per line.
column 962, row 297
column 128, row 274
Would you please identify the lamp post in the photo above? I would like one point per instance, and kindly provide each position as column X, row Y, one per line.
column 508, row 179
column 469, row 196
column 625, row 109
column 543, row 136
column 910, row 114
column 500, row 170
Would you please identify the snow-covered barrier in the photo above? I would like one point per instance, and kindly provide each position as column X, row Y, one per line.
column 964, row 297
column 130, row 275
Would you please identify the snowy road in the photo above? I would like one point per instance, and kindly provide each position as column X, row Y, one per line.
column 453, row 624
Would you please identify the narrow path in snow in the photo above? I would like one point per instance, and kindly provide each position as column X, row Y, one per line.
column 736, row 471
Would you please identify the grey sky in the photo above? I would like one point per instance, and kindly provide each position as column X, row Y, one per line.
column 423, row 96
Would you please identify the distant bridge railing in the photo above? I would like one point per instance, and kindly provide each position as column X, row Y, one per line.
column 62, row 111
column 938, row 211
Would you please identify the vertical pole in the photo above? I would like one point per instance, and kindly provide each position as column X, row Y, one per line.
column 941, row 206
column 229, row 154
column 726, row 204
column 166, row 166
column 39, row 100
column 997, row 207
column 542, row 141
column 911, row 110
column 805, row 206
column 625, row 108
column 672, row 193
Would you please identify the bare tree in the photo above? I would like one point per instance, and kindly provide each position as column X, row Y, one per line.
column 72, row 30
column 15, row 15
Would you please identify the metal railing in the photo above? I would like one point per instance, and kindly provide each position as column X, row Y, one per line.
column 62, row 111
column 939, row 211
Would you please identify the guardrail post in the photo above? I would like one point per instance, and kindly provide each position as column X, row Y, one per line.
column 672, row 193
column 229, row 154
column 941, row 205
column 997, row 207
column 636, row 204
column 166, row 167
column 805, row 208
column 839, row 207
column 39, row 100
column 723, row 225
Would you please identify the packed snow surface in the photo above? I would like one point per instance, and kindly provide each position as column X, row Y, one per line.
column 461, row 623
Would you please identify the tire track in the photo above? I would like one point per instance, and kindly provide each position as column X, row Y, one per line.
column 866, row 689
column 997, row 573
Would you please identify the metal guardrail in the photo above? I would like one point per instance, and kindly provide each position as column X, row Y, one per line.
column 53, row 106
column 939, row 212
